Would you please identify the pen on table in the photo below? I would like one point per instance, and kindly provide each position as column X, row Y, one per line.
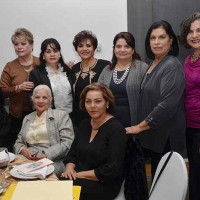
column 35, row 154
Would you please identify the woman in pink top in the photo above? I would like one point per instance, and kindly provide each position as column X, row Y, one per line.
column 190, row 37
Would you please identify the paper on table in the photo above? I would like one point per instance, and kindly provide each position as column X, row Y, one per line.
column 36, row 165
column 40, row 190
column 40, row 173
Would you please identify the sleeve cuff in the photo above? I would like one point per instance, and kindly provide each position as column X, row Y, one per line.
column 20, row 149
column 149, row 120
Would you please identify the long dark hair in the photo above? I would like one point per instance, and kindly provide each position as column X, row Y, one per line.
column 54, row 44
column 130, row 40
column 168, row 28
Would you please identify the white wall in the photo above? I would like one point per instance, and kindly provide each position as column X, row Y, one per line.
column 61, row 19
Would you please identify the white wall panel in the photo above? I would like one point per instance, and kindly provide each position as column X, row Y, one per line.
column 61, row 19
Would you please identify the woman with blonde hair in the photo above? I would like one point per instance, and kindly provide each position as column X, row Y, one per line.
column 15, row 80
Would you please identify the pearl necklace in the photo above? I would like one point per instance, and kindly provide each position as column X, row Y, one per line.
column 194, row 58
column 119, row 80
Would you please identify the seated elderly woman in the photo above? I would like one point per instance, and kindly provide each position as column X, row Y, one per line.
column 96, row 158
column 45, row 133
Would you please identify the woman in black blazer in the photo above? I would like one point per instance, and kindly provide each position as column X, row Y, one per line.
column 54, row 73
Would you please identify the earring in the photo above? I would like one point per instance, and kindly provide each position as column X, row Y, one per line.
column 107, row 107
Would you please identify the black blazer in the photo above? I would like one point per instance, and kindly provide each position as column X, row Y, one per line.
column 39, row 77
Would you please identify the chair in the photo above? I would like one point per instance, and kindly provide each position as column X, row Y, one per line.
column 120, row 196
column 173, row 182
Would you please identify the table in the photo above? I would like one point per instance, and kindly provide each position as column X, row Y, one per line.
column 51, row 177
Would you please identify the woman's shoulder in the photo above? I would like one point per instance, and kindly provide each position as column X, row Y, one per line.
column 12, row 64
column 30, row 116
column 114, row 125
column 140, row 63
column 106, row 69
column 39, row 69
column 101, row 64
column 172, row 63
column 104, row 62
column 36, row 61
column 76, row 67
column 57, row 114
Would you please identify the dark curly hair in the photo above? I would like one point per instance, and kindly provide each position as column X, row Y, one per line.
column 185, row 28
column 174, row 50
column 85, row 35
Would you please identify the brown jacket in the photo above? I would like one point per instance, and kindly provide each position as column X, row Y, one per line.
column 13, row 74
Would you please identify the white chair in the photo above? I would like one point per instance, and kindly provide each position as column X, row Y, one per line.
column 120, row 196
column 173, row 182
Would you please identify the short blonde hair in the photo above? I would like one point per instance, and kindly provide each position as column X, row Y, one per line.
column 22, row 32
column 106, row 92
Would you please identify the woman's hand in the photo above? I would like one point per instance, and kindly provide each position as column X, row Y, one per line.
column 143, row 126
column 133, row 130
column 25, row 86
column 70, row 63
column 69, row 172
column 26, row 153
column 38, row 157
column 80, row 175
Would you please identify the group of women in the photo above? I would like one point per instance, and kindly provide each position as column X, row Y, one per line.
column 130, row 98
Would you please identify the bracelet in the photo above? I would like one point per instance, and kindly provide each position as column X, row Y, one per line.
column 17, row 88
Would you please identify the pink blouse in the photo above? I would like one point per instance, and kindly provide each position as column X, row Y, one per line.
column 192, row 93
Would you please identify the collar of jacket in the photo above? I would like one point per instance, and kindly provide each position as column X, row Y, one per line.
column 31, row 116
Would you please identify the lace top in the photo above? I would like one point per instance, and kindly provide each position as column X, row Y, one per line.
column 61, row 89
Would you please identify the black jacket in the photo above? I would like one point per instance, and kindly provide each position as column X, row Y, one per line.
column 135, row 187
column 39, row 76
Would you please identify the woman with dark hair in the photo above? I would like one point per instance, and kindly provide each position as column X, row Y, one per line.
column 123, row 77
column 190, row 38
column 15, row 81
column 54, row 73
column 161, row 116
column 96, row 158
column 86, row 71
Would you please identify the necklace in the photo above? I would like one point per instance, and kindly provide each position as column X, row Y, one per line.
column 119, row 80
column 89, row 67
column 194, row 58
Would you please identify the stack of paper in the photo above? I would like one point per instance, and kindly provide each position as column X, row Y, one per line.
column 43, row 190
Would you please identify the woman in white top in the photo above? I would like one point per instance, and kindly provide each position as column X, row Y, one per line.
column 54, row 73
column 45, row 133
